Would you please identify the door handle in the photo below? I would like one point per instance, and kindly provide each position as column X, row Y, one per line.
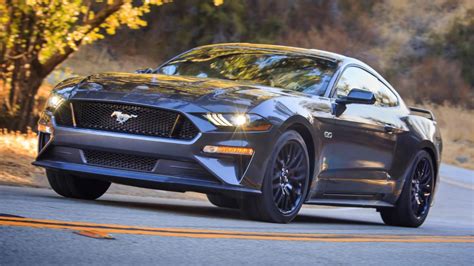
column 389, row 128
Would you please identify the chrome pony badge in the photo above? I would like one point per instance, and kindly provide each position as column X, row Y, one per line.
column 121, row 117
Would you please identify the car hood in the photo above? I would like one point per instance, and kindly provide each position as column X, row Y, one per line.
column 183, row 93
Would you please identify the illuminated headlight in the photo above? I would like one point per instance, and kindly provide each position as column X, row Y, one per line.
column 247, row 122
column 54, row 101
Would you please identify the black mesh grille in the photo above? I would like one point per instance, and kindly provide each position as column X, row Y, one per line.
column 186, row 130
column 147, row 164
column 120, row 160
column 143, row 121
column 63, row 115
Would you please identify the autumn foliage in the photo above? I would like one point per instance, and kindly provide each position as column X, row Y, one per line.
column 424, row 48
column 38, row 35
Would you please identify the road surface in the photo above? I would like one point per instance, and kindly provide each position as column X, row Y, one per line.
column 39, row 227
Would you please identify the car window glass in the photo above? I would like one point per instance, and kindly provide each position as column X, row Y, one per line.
column 283, row 70
column 385, row 96
column 354, row 77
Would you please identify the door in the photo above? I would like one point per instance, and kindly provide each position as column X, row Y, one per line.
column 359, row 144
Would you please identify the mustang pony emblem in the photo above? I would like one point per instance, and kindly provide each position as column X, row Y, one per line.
column 121, row 117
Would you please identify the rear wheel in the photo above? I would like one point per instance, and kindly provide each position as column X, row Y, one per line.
column 285, row 184
column 415, row 201
column 71, row 186
column 223, row 201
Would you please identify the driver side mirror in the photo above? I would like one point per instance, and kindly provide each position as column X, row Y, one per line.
column 357, row 96
column 144, row 71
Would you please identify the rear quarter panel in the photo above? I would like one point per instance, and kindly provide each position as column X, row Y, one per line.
column 422, row 133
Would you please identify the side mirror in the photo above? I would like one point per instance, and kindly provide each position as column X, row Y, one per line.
column 357, row 96
column 144, row 71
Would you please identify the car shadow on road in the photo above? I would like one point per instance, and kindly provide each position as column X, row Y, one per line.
column 311, row 219
column 220, row 213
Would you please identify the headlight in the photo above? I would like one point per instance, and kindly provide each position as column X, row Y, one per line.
column 247, row 122
column 54, row 101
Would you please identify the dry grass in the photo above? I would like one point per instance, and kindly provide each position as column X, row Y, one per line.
column 19, row 150
column 457, row 130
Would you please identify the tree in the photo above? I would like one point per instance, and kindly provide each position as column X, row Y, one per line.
column 38, row 35
column 457, row 44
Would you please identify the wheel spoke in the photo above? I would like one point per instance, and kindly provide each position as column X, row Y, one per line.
column 276, row 177
column 425, row 167
column 285, row 155
column 297, row 170
column 296, row 160
column 287, row 202
column 280, row 162
column 275, row 186
column 426, row 179
column 421, row 187
column 278, row 196
column 414, row 204
column 425, row 187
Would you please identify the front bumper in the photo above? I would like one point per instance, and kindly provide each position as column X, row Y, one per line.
column 64, row 150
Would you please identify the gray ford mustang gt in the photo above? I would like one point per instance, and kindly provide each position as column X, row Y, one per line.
column 262, row 128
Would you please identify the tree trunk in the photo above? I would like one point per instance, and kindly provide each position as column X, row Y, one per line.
column 26, row 115
column 23, row 85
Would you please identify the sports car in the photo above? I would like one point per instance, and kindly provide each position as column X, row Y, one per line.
column 262, row 128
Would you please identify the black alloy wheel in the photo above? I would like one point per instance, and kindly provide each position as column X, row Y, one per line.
column 289, row 177
column 285, row 184
column 415, row 200
column 421, row 188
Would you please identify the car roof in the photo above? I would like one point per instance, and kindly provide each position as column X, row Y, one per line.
column 282, row 48
column 341, row 60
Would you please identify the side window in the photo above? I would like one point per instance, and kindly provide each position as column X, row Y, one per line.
column 384, row 96
column 354, row 77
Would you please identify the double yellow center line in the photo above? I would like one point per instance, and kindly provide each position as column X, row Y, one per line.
column 223, row 234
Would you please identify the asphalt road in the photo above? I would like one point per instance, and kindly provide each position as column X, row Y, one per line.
column 39, row 227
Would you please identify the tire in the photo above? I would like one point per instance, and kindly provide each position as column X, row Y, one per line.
column 414, row 203
column 285, row 184
column 223, row 201
column 70, row 186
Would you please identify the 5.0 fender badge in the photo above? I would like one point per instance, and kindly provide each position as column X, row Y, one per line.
column 328, row 134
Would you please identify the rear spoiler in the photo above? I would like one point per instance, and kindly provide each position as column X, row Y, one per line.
column 426, row 113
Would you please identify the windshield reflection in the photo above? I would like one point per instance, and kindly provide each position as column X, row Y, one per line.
column 270, row 68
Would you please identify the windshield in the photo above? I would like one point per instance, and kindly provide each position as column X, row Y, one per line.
column 283, row 70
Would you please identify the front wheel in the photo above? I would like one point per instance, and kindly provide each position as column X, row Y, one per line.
column 415, row 201
column 285, row 184
column 71, row 186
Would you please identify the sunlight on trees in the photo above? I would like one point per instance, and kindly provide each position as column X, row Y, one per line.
column 37, row 35
column 398, row 38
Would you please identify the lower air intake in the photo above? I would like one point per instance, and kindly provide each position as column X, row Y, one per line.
column 120, row 160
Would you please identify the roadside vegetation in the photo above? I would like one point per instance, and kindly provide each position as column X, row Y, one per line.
column 423, row 47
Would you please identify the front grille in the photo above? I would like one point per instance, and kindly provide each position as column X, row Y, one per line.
column 144, row 121
column 120, row 160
